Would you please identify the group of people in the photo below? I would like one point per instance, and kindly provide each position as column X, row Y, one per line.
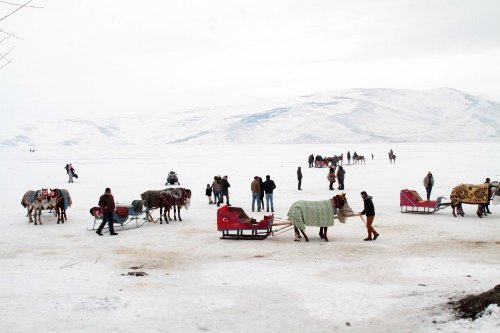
column 260, row 189
column 219, row 189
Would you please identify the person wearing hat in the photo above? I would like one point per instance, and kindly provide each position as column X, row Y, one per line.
column 107, row 204
column 255, row 188
column 428, row 183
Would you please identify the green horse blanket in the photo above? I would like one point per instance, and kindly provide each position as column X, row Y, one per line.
column 312, row 213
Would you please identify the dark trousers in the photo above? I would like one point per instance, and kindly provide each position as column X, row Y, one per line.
column 428, row 190
column 300, row 182
column 331, row 186
column 107, row 217
column 341, row 184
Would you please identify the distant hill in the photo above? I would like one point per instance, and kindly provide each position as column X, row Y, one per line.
column 355, row 115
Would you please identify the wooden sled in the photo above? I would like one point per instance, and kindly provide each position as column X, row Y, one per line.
column 234, row 223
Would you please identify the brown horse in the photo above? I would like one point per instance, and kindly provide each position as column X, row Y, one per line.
column 165, row 200
column 175, row 198
column 60, row 200
column 359, row 159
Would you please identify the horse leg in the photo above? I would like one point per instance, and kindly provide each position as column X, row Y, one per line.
column 58, row 213
column 179, row 212
column 161, row 213
column 297, row 234
column 326, row 237
column 64, row 217
column 30, row 212
column 479, row 211
column 175, row 212
column 453, row 210
column 305, row 236
column 321, row 233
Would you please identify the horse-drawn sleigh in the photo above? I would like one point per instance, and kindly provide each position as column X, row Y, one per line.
column 235, row 224
column 126, row 216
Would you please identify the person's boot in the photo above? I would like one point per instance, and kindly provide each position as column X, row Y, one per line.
column 99, row 232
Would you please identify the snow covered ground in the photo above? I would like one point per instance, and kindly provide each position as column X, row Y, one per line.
column 64, row 278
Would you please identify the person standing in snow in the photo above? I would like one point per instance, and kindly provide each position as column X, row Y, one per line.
column 331, row 178
column 261, row 197
column 269, row 187
column 255, row 188
column 369, row 211
column 216, row 189
column 428, row 183
column 224, row 191
column 208, row 193
column 340, row 177
column 348, row 157
column 487, row 206
column 299, row 177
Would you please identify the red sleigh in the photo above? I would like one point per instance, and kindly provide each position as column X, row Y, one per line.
column 411, row 202
column 234, row 223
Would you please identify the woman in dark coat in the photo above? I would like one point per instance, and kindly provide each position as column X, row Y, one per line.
column 369, row 211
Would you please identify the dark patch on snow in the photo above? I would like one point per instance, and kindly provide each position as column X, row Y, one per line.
column 472, row 306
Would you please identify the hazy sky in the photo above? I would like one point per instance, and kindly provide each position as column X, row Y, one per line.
column 98, row 58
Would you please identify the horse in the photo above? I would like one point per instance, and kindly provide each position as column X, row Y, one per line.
column 166, row 199
column 36, row 201
column 318, row 213
column 360, row 159
column 152, row 199
column 60, row 200
column 175, row 198
column 473, row 194
column 392, row 157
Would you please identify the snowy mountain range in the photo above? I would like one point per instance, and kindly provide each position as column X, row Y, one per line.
column 355, row 115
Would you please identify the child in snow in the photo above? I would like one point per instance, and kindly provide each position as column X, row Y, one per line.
column 208, row 193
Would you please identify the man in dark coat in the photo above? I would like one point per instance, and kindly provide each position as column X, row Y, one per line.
column 299, row 177
column 369, row 211
column 107, row 204
column 224, row 191
column 269, row 187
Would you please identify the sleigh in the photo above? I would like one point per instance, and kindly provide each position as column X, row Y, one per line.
column 125, row 216
column 234, row 223
column 411, row 202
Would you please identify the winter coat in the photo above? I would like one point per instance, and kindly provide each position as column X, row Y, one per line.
column 107, row 202
column 311, row 158
column 429, row 181
column 340, row 174
column 208, row 191
column 299, row 174
column 255, row 186
column 331, row 177
column 369, row 207
column 216, row 185
column 269, row 186
column 224, row 186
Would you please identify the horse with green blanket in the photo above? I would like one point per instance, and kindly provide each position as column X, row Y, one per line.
column 319, row 214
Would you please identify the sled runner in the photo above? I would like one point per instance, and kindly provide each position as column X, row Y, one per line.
column 127, row 216
column 411, row 202
column 234, row 223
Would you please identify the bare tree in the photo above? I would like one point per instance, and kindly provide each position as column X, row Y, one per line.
column 4, row 35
